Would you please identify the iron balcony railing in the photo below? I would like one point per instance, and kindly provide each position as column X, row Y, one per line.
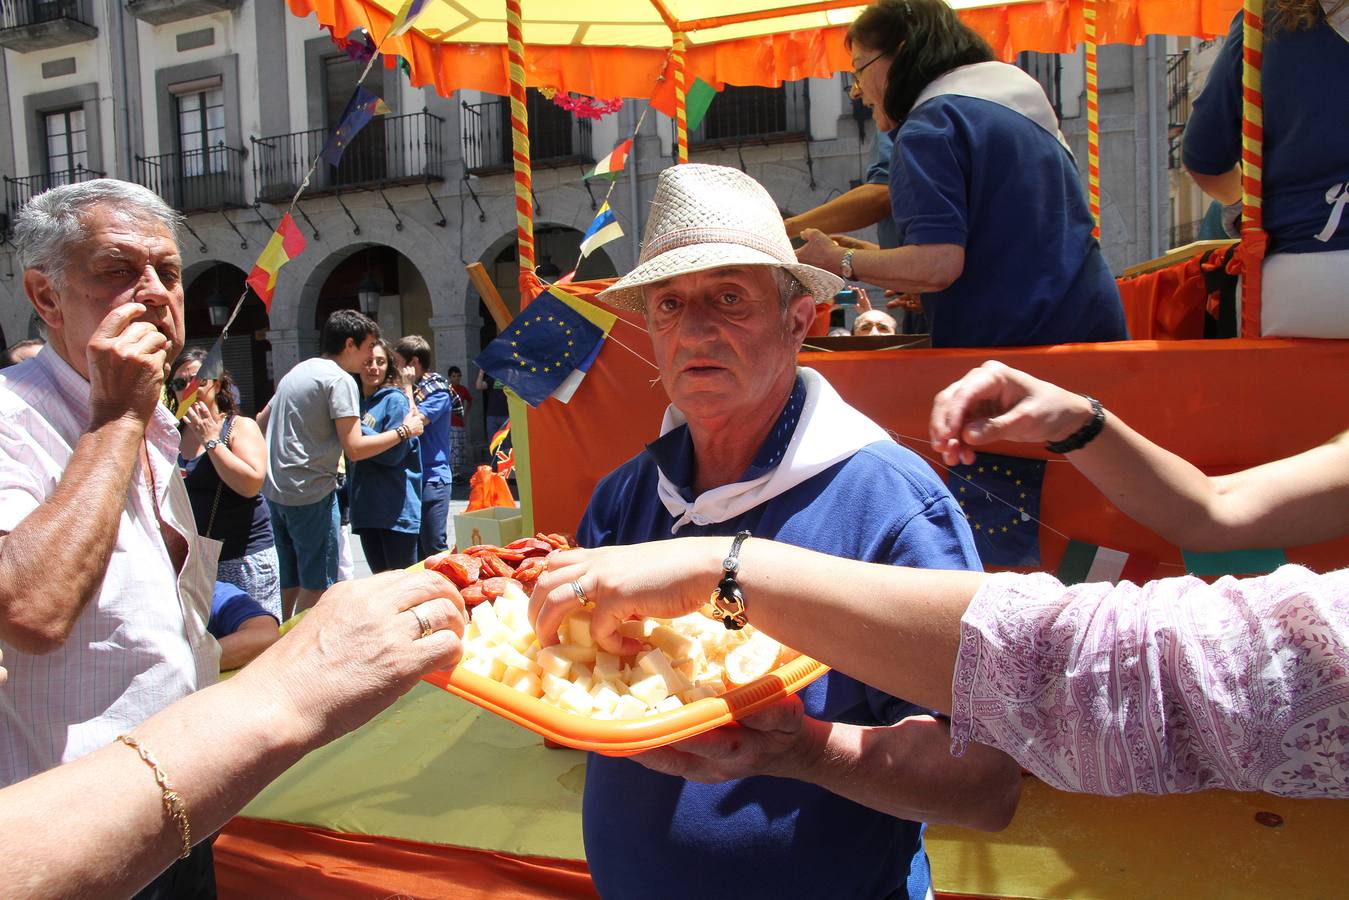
column 1177, row 103
column 18, row 191
column 195, row 180
column 389, row 150
column 740, row 114
column 21, row 13
column 556, row 137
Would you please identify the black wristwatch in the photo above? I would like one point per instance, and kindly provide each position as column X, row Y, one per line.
column 1084, row 435
column 727, row 598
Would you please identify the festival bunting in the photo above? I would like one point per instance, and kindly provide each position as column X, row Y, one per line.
column 697, row 100
column 1000, row 495
column 1234, row 562
column 544, row 345
column 286, row 243
column 604, row 229
column 1088, row 563
column 611, row 165
column 406, row 16
column 363, row 106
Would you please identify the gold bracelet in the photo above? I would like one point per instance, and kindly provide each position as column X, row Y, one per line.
column 173, row 802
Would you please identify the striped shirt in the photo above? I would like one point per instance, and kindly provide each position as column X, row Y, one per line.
column 141, row 642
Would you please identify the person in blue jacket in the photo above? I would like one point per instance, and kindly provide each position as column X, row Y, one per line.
column 438, row 402
column 1306, row 160
column 994, row 229
column 386, row 489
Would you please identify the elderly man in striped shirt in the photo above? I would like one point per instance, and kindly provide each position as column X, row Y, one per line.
column 105, row 588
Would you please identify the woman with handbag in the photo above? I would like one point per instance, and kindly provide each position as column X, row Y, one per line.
column 223, row 458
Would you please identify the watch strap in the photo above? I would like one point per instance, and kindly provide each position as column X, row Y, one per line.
column 1084, row 435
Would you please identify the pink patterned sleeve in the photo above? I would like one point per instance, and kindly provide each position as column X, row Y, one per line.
column 1174, row 686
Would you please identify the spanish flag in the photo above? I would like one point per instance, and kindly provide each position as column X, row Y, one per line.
column 286, row 244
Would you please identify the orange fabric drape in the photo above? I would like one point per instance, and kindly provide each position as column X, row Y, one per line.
column 1051, row 26
column 1166, row 305
column 1220, row 404
column 259, row 858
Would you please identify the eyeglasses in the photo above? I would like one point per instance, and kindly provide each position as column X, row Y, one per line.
column 857, row 73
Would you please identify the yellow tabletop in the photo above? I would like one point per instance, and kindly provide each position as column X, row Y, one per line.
column 434, row 768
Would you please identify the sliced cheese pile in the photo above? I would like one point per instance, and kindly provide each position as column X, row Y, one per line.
column 681, row 660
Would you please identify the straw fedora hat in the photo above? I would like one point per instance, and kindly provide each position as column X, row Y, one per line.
column 709, row 217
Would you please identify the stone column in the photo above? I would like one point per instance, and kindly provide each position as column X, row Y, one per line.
column 289, row 347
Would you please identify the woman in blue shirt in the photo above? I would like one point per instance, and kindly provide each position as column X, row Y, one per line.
column 993, row 224
column 386, row 489
column 1304, row 79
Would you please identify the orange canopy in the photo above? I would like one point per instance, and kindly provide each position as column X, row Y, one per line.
column 604, row 48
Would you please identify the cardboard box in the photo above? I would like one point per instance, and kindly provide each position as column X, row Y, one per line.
column 496, row 525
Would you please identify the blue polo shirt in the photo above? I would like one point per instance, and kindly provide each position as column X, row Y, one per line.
column 1305, row 81
column 971, row 172
column 386, row 489
column 878, row 172
column 435, row 439
column 231, row 607
column 655, row 836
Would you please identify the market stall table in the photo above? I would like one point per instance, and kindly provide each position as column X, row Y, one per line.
column 437, row 798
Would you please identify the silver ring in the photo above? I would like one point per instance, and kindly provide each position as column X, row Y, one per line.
column 581, row 598
column 427, row 630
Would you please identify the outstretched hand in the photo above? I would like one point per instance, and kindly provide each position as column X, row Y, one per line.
column 998, row 403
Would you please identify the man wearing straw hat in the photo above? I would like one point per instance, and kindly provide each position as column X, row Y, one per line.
column 752, row 443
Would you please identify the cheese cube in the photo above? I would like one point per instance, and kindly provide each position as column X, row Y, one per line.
column 581, row 678
column 577, row 653
column 526, row 683
column 639, row 629
column 698, row 692
column 486, row 619
column 551, row 660
column 629, row 707
column 605, row 698
column 606, row 665
column 650, row 690
column 576, row 699
column 514, row 658
column 655, row 662
column 576, row 630
column 478, row 665
column 675, row 645
column 552, row 685
column 669, row 704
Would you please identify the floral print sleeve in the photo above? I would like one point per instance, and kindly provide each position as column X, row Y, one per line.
column 1174, row 686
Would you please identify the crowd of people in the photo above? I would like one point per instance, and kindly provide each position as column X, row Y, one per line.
column 188, row 531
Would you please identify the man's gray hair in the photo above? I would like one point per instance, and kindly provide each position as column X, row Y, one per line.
column 789, row 288
column 54, row 220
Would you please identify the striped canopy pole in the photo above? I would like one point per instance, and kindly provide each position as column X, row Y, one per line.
column 524, row 193
column 1253, row 237
column 681, row 115
column 1093, row 119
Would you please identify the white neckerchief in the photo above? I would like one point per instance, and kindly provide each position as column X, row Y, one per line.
column 998, row 83
column 829, row 431
column 1339, row 22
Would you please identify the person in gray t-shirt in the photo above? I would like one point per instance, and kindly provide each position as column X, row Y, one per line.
column 313, row 419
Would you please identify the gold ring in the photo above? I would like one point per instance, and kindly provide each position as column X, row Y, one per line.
column 427, row 630
column 581, row 598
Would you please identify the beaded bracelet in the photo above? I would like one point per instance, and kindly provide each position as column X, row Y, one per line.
column 173, row 802
column 1084, row 435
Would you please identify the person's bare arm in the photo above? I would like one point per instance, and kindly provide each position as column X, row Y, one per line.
column 860, row 207
column 354, row 653
column 247, row 641
column 265, row 416
column 1302, row 499
column 917, row 268
column 358, row 446
column 39, row 602
column 242, row 464
column 1225, row 188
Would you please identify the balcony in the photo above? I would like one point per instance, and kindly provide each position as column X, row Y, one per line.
column 196, row 180
column 1047, row 69
column 18, row 191
column 740, row 115
column 389, row 151
column 40, row 24
column 556, row 137
column 163, row 12
column 1177, row 104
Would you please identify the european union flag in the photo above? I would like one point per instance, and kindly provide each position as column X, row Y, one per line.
column 1000, row 495
column 361, row 108
column 540, row 348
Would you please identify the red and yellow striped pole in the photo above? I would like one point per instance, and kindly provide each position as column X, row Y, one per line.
column 524, row 194
column 1093, row 118
column 1253, row 237
column 681, row 115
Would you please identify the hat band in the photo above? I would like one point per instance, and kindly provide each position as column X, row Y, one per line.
column 687, row 237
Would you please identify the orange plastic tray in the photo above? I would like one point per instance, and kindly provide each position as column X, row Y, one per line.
column 628, row 736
